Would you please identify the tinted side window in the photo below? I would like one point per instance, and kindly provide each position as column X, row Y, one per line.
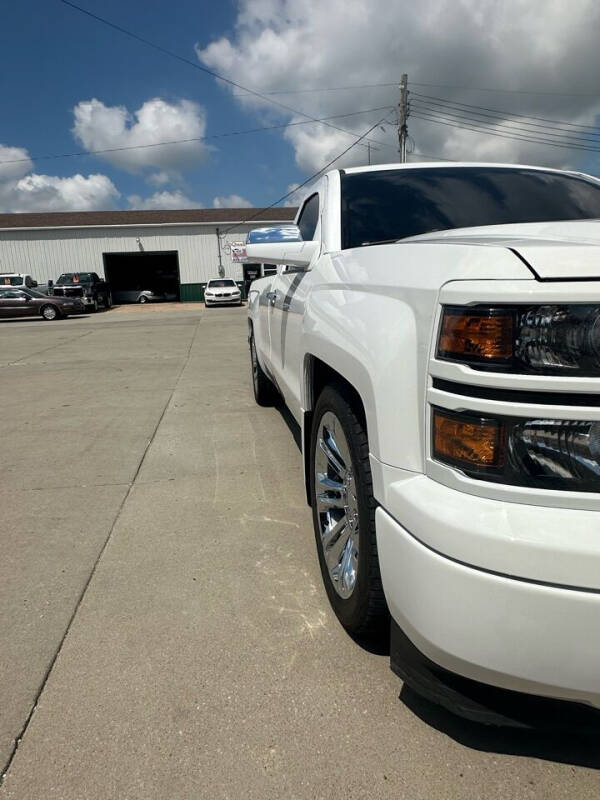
column 309, row 216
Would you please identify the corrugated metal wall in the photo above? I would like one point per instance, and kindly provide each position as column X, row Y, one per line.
column 46, row 253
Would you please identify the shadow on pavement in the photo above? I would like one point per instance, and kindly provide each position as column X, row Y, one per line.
column 577, row 743
column 293, row 426
column 37, row 318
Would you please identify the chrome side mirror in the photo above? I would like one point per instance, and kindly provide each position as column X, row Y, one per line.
column 280, row 245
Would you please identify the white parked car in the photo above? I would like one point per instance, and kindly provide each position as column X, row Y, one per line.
column 18, row 279
column 436, row 335
column 222, row 291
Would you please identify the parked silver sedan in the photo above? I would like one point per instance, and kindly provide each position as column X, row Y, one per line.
column 142, row 296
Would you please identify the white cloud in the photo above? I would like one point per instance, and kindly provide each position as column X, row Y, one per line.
column 160, row 178
column 101, row 127
column 14, row 163
column 231, row 201
column 50, row 193
column 24, row 190
column 286, row 44
column 294, row 197
column 163, row 200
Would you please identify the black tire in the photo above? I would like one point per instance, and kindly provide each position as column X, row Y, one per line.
column 364, row 613
column 94, row 306
column 108, row 301
column 265, row 392
column 49, row 312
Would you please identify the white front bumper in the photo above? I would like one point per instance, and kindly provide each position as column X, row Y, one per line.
column 224, row 300
column 512, row 633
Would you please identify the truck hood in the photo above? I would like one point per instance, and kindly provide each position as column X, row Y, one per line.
column 553, row 250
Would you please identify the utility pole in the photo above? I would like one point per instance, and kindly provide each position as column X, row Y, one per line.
column 369, row 151
column 221, row 270
column 403, row 118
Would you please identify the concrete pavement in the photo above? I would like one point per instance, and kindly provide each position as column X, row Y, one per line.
column 156, row 516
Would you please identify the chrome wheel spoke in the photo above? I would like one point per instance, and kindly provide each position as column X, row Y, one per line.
column 332, row 533
column 329, row 484
column 329, row 500
column 333, row 456
column 335, row 553
column 348, row 565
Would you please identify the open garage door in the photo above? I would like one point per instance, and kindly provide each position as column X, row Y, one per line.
column 133, row 276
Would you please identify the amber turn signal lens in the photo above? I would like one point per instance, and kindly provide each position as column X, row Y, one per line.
column 467, row 440
column 476, row 335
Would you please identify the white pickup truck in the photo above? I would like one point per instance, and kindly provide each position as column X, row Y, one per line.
column 435, row 332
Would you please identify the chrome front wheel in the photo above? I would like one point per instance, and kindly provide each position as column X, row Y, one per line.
column 343, row 509
column 337, row 505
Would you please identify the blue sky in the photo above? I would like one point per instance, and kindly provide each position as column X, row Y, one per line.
column 515, row 58
column 52, row 58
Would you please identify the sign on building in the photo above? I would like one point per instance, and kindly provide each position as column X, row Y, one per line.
column 238, row 252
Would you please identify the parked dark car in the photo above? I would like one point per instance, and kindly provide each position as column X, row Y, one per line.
column 21, row 302
column 87, row 286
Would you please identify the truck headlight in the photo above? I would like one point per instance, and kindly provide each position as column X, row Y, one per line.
column 544, row 453
column 543, row 339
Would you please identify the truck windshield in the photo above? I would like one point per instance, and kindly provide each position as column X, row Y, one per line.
column 388, row 205
column 70, row 278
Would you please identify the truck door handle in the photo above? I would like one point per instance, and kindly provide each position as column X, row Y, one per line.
column 272, row 296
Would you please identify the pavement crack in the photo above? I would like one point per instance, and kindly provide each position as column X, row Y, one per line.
column 73, row 486
column 23, row 361
column 80, row 599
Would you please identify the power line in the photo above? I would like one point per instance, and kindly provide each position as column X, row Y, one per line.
column 309, row 179
column 491, row 132
column 507, row 91
column 530, row 129
column 186, row 141
column 196, row 65
column 435, row 158
column 504, row 134
column 327, row 89
column 443, row 101
column 507, row 126
column 322, row 89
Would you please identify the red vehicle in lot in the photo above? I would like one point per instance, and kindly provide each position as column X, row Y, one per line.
column 21, row 302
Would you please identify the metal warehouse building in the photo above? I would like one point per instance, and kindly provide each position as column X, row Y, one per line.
column 179, row 249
